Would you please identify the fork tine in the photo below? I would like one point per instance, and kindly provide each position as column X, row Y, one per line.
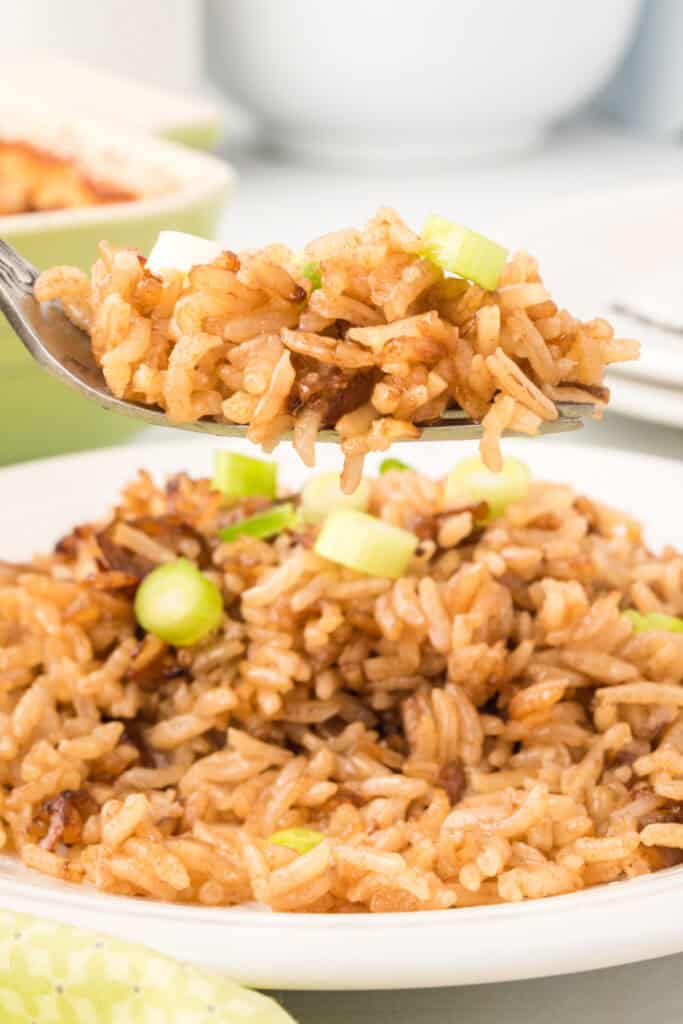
column 456, row 425
column 64, row 350
column 568, row 410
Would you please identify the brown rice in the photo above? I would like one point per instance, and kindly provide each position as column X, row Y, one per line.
column 384, row 346
column 487, row 728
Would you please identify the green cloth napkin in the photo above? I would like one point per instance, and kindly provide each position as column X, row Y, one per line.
column 54, row 974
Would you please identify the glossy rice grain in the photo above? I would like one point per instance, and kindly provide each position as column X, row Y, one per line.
column 487, row 728
column 383, row 347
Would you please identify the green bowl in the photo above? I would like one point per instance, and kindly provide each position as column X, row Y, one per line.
column 39, row 416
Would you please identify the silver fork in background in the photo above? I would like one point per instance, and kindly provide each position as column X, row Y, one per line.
column 64, row 351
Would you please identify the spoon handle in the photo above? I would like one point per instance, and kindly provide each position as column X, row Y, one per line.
column 17, row 277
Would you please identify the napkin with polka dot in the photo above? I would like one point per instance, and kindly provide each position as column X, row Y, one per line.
column 54, row 974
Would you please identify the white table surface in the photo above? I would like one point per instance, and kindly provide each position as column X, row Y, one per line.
column 280, row 202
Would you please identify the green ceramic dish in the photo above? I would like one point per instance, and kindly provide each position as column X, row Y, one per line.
column 196, row 134
column 181, row 189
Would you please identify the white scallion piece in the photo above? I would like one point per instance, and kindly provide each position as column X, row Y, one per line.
column 174, row 250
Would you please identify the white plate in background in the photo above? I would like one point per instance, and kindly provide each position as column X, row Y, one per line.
column 602, row 249
column 600, row 927
column 643, row 400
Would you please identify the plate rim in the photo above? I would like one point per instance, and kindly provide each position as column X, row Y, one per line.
column 192, row 445
column 252, row 934
column 87, row 898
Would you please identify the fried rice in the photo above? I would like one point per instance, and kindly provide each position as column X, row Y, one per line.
column 384, row 345
column 486, row 728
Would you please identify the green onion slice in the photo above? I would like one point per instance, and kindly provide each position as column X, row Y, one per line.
column 394, row 465
column 263, row 524
column 308, row 268
column 177, row 603
column 240, row 476
column 300, row 839
column 646, row 623
column 322, row 493
column 471, row 479
column 366, row 544
column 463, row 252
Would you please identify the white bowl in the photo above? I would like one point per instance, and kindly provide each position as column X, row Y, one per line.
column 390, row 79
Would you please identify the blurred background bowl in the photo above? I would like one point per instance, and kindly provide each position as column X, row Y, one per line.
column 391, row 81
column 179, row 189
column 80, row 91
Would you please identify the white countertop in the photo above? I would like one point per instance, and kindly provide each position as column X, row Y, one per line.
column 280, row 202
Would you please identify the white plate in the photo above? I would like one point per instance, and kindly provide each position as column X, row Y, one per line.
column 608, row 925
column 643, row 400
column 598, row 249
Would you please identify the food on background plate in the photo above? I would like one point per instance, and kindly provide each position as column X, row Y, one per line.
column 32, row 180
column 434, row 694
column 374, row 333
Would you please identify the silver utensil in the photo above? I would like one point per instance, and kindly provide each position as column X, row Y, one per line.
column 64, row 351
column 646, row 319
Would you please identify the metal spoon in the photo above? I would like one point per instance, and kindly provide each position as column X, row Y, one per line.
column 64, row 351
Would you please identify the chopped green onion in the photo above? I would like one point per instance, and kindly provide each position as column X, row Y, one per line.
column 463, row 252
column 364, row 543
column 394, row 465
column 311, row 270
column 240, row 476
column 300, row 839
column 263, row 524
column 322, row 493
column 177, row 603
column 646, row 623
column 472, row 479
column 308, row 268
